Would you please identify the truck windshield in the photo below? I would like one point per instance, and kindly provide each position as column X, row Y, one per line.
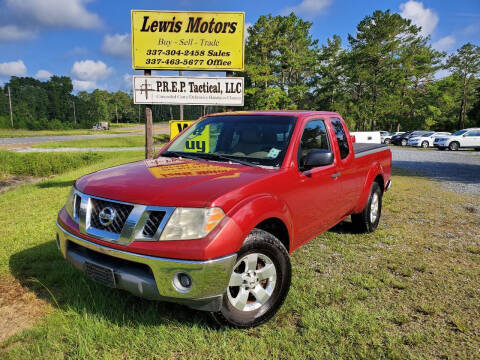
column 250, row 139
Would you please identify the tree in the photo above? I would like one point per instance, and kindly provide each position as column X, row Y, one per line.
column 388, row 63
column 466, row 64
column 280, row 58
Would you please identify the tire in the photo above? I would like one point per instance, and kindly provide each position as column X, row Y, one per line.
column 425, row 144
column 368, row 219
column 404, row 142
column 477, row 149
column 454, row 146
column 387, row 141
column 254, row 301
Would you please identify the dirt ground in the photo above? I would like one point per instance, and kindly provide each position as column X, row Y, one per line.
column 12, row 182
column 19, row 307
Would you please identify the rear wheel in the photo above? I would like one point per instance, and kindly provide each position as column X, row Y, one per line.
column 454, row 146
column 259, row 282
column 425, row 144
column 386, row 141
column 404, row 142
column 368, row 219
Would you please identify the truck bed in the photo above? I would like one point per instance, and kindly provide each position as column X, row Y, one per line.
column 362, row 149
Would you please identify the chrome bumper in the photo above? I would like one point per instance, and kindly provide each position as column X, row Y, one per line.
column 152, row 277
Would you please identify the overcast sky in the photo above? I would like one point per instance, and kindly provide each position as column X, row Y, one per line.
column 89, row 40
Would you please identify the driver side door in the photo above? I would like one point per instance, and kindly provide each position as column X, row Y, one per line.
column 313, row 195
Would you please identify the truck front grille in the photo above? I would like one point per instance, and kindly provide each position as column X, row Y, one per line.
column 152, row 223
column 121, row 214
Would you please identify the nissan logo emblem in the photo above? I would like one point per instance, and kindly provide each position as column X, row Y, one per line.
column 106, row 216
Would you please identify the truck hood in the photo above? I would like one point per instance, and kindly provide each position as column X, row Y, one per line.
column 170, row 182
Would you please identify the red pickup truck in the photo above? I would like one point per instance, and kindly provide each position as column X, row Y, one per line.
column 211, row 220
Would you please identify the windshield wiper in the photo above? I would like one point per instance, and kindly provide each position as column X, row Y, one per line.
column 181, row 155
column 213, row 156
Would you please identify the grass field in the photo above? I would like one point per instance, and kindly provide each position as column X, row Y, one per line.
column 127, row 141
column 7, row 133
column 408, row 291
column 46, row 164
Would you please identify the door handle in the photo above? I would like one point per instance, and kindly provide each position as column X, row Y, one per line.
column 336, row 175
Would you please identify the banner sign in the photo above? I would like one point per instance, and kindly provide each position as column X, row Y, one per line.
column 198, row 141
column 179, row 90
column 181, row 40
column 177, row 126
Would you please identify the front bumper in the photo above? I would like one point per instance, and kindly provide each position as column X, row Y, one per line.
column 152, row 277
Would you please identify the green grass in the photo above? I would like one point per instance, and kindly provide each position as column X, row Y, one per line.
column 7, row 133
column 127, row 141
column 45, row 164
column 408, row 291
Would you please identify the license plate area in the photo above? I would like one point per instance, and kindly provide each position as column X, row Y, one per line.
column 101, row 274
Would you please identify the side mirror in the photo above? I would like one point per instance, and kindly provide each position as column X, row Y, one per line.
column 352, row 137
column 318, row 157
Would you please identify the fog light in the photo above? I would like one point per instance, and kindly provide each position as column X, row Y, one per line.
column 182, row 282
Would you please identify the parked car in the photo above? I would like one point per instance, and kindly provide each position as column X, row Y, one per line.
column 403, row 138
column 212, row 226
column 466, row 138
column 386, row 137
column 102, row 125
column 425, row 140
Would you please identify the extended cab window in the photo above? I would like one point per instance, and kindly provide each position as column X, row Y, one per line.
column 341, row 137
column 314, row 137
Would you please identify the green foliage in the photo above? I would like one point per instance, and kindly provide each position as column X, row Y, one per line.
column 280, row 56
column 45, row 164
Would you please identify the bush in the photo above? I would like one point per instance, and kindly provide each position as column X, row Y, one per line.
column 44, row 164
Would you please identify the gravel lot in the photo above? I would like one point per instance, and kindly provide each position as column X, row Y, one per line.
column 459, row 171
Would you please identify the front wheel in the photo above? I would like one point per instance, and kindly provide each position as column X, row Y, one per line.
column 259, row 282
column 387, row 141
column 425, row 144
column 368, row 219
column 454, row 146
column 404, row 142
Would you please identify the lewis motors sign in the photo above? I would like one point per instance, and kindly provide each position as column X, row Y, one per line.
column 176, row 90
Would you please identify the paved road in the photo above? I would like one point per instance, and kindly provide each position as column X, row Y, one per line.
column 159, row 129
column 459, row 171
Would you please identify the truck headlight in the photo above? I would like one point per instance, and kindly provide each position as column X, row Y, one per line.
column 70, row 204
column 191, row 223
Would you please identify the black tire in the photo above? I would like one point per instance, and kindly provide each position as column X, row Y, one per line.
column 454, row 146
column 404, row 142
column 425, row 144
column 263, row 244
column 477, row 149
column 387, row 141
column 363, row 221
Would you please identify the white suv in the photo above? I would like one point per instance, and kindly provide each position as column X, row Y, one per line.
column 466, row 138
column 426, row 140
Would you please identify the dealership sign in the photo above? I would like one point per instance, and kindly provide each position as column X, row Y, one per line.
column 179, row 90
column 179, row 40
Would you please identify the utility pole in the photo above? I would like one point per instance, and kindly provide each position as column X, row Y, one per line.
column 10, row 103
column 74, row 115
column 148, row 126
column 181, row 106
